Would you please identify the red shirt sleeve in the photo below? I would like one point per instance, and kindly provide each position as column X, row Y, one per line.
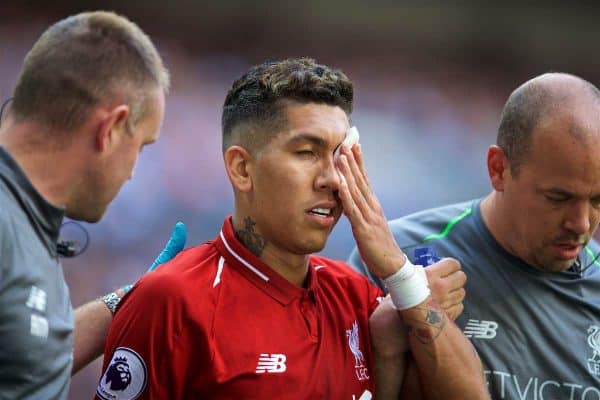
column 143, row 356
column 375, row 296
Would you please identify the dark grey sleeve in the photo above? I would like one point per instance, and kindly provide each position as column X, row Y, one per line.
column 358, row 265
column 4, row 248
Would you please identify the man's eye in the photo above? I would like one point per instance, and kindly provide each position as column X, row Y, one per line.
column 557, row 198
column 305, row 153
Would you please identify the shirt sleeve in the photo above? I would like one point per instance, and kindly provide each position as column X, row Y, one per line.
column 375, row 296
column 143, row 358
column 5, row 250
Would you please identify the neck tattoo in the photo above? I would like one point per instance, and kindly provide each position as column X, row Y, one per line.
column 252, row 240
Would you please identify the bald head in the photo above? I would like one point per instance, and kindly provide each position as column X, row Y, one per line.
column 538, row 102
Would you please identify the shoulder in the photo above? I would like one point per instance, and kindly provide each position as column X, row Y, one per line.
column 593, row 246
column 6, row 223
column 8, row 191
column 8, row 203
column 9, row 231
column 340, row 272
column 346, row 287
column 439, row 215
column 165, row 300
column 193, row 262
column 176, row 281
column 336, row 268
column 14, row 219
column 590, row 255
column 434, row 221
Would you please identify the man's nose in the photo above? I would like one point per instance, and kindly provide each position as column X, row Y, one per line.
column 329, row 177
column 578, row 217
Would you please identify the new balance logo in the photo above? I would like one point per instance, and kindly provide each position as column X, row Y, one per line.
column 271, row 363
column 38, row 326
column 37, row 299
column 481, row 329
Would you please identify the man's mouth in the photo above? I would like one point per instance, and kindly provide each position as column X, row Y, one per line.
column 568, row 251
column 322, row 212
column 569, row 244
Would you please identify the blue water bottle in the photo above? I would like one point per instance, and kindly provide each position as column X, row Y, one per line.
column 425, row 255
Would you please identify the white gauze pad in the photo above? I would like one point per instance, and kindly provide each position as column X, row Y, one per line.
column 350, row 140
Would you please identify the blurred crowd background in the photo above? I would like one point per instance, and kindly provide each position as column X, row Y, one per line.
column 430, row 82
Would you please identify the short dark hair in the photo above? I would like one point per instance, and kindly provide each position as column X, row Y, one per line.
column 519, row 117
column 79, row 62
column 527, row 106
column 257, row 100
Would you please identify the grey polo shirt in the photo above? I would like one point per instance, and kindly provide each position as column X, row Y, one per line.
column 538, row 333
column 36, row 317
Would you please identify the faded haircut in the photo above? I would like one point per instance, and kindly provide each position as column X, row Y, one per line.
column 83, row 60
column 254, row 108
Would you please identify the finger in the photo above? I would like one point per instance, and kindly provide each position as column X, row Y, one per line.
column 358, row 155
column 454, row 311
column 456, row 280
column 451, row 283
column 443, row 268
column 175, row 244
column 350, row 209
column 357, row 149
column 358, row 199
column 360, row 175
column 450, row 287
column 354, row 164
column 452, row 298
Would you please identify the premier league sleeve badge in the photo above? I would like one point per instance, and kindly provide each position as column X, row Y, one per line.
column 125, row 377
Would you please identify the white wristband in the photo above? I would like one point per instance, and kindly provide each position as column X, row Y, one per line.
column 407, row 287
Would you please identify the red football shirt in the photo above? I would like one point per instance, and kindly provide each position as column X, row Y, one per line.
column 218, row 323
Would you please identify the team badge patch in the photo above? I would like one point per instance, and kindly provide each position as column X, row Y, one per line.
column 361, row 371
column 124, row 378
column 594, row 342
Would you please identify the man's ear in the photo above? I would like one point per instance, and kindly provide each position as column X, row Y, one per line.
column 498, row 167
column 238, row 164
column 111, row 126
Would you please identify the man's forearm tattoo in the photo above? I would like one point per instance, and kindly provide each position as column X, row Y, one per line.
column 429, row 324
column 252, row 240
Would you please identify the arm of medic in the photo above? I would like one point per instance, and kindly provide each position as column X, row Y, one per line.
column 446, row 362
column 93, row 319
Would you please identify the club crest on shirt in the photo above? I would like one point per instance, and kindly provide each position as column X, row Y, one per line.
column 362, row 373
column 124, row 378
column 594, row 342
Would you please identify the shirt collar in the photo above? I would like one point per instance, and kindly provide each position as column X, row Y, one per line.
column 45, row 218
column 257, row 271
